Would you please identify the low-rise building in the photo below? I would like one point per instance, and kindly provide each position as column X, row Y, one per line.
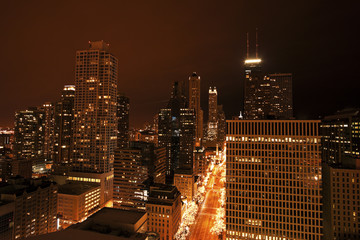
column 184, row 181
column 77, row 201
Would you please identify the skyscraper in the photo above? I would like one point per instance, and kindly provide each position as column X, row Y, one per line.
column 213, row 115
column 29, row 133
column 64, row 116
column 49, row 127
column 187, row 138
column 194, row 102
column 273, row 180
column 95, row 126
column 122, row 113
column 281, row 99
column 95, row 109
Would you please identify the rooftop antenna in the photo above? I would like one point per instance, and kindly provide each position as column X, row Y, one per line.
column 247, row 45
column 257, row 44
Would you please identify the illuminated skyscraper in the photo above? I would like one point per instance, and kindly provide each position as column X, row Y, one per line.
column 123, row 108
column 213, row 115
column 281, row 99
column 194, row 102
column 187, row 138
column 95, row 125
column 64, row 116
column 95, row 109
column 273, row 180
column 29, row 133
column 49, row 127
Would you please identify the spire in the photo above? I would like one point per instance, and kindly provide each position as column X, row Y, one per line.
column 247, row 45
column 257, row 44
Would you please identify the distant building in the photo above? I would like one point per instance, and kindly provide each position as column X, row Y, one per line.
column 21, row 167
column 29, row 133
column 133, row 166
column 164, row 211
column 165, row 136
column 77, row 201
column 212, row 131
column 184, row 181
column 187, row 138
column 200, row 161
column 273, row 180
column 64, row 118
column 35, row 206
column 49, row 130
column 221, row 126
column 194, row 102
column 106, row 224
column 122, row 114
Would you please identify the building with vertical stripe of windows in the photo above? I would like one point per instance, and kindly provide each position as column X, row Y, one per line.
column 273, row 180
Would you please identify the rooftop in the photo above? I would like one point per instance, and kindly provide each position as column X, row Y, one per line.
column 77, row 188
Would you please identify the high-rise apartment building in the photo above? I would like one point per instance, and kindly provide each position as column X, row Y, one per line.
column 95, row 109
column 122, row 113
column 64, row 117
column 29, row 133
column 35, row 206
column 194, row 102
column 165, row 136
column 212, row 132
column 95, row 126
column 164, row 211
column 273, row 180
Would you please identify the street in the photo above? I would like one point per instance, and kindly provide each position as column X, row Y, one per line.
column 206, row 216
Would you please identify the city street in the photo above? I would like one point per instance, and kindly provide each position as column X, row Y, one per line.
column 207, row 213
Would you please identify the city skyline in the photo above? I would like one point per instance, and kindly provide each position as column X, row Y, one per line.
column 211, row 41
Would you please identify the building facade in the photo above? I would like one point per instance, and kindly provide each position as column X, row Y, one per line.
column 273, row 180
column 194, row 102
column 212, row 131
column 64, row 117
column 164, row 211
column 95, row 109
column 122, row 113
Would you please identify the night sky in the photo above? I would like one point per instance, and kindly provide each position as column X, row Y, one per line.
column 159, row 42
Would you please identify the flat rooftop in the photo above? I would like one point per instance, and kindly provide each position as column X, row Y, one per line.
column 114, row 215
column 77, row 188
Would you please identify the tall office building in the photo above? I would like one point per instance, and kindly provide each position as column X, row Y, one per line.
column 29, row 133
column 95, row 109
column 122, row 113
column 341, row 174
column 95, row 132
column 194, row 102
column 64, row 116
column 281, row 100
column 273, row 180
column 187, row 138
column 212, row 131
